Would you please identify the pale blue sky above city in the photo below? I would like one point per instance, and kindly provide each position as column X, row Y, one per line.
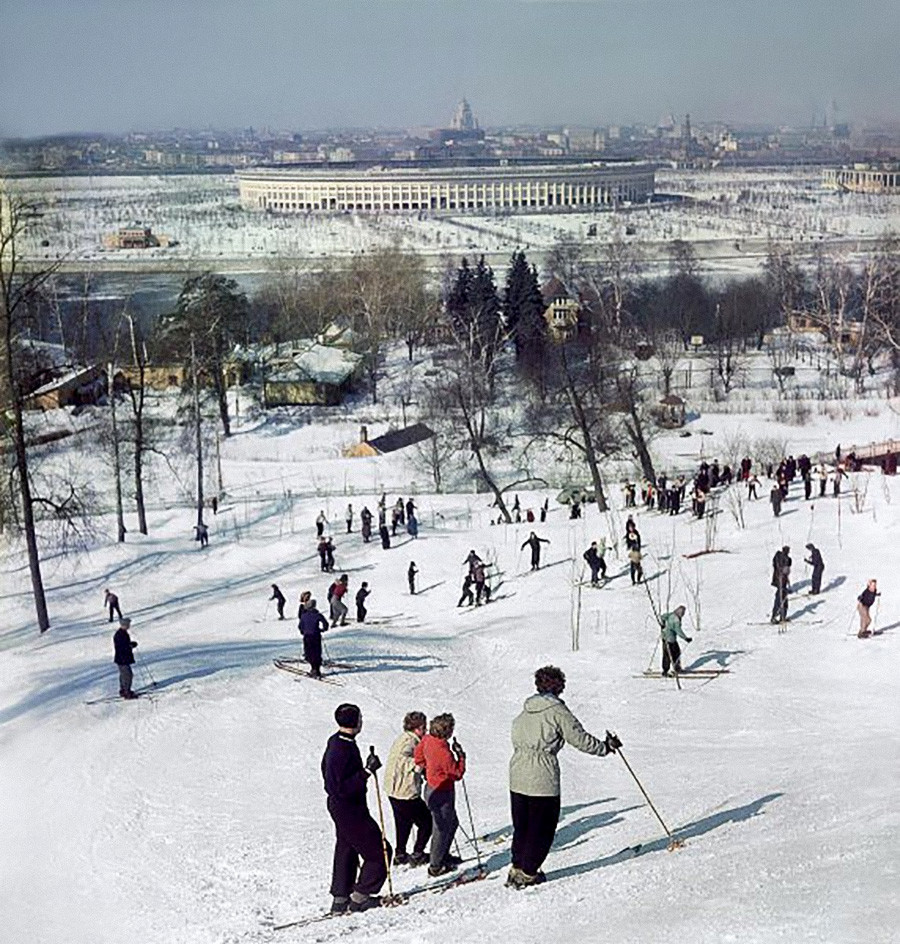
column 120, row 65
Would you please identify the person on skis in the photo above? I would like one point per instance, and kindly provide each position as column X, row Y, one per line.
column 670, row 632
column 280, row 600
column 336, row 593
column 534, row 542
column 467, row 597
column 596, row 562
column 479, row 578
column 781, row 579
column 124, row 646
column 348, row 517
column 411, row 576
column 365, row 516
column 361, row 595
column 442, row 766
column 312, row 624
column 111, row 602
column 403, row 785
column 357, row 835
column 863, row 604
column 818, row 568
column 539, row 733
column 321, row 521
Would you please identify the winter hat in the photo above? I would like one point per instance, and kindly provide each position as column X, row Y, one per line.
column 810, row 547
column 347, row 715
column 125, row 622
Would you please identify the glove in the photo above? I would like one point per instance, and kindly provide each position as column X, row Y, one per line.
column 612, row 743
column 373, row 762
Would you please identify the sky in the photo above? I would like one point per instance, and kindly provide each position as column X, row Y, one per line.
column 122, row 65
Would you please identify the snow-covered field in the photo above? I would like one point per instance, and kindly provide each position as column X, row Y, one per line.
column 729, row 216
column 197, row 815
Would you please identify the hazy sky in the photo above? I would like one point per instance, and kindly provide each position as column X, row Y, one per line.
column 118, row 65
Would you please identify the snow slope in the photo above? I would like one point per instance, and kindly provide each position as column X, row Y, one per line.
column 197, row 815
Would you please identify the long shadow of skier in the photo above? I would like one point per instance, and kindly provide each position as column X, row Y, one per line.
column 834, row 584
column 719, row 656
column 702, row 826
column 810, row 607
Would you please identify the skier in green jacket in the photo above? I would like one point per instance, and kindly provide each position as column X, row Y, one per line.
column 538, row 734
column 671, row 630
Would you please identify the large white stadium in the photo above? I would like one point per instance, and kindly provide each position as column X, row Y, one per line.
column 474, row 189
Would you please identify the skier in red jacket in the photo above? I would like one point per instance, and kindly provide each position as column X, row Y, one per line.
column 443, row 767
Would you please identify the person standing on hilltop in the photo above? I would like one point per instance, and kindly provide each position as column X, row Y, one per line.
column 534, row 542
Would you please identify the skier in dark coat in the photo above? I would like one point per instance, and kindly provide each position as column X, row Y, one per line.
column 111, row 601
column 385, row 537
column 311, row 625
column 781, row 576
column 776, row 497
column 471, row 560
column 323, row 554
column 467, row 595
column 366, row 518
column 361, row 595
column 356, row 834
column 534, row 542
column 479, row 578
column 411, row 576
column 124, row 645
column 818, row 567
column 280, row 599
column 596, row 562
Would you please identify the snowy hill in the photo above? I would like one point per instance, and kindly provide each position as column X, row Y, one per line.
column 197, row 815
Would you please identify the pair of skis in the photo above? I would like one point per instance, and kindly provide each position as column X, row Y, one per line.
column 294, row 666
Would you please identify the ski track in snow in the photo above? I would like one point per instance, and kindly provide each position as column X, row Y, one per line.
column 197, row 815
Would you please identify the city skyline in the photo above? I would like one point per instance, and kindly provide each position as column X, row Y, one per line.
column 106, row 67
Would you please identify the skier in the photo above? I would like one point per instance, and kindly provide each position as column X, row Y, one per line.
column 395, row 519
column 538, row 734
column 385, row 537
column 411, row 577
column 472, row 559
column 410, row 508
column 111, row 601
column 823, row 479
column 124, row 647
column 836, row 484
column 534, row 542
column 403, row 785
column 670, row 624
column 632, row 536
column 356, row 833
column 412, row 525
column 775, row 499
column 366, row 518
column 818, row 568
column 467, row 591
column 312, row 624
column 202, row 535
column 214, row 504
column 329, row 555
column 781, row 574
column 752, row 485
column 596, row 562
column 361, row 595
column 807, row 484
column 635, row 567
column 348, row 517
column 336, row 594
column 863, row 603
column 442, row 767
column 544, row 509
column 323, row 554
column 280, row 599
column 321, row 521
column 479, row 578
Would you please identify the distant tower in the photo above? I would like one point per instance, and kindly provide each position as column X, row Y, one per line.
column 686, row 138
column 463, row 119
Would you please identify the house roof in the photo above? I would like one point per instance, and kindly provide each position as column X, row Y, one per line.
column 401, row 438
column 75, row 375
column 554, row 289
column 302, row 360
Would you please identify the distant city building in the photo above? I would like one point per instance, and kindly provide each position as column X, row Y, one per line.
column 463, row 119
column 136, row 237
column 435, row 188
column 863, row 178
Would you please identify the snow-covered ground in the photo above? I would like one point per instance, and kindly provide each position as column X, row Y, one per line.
column 197, row 815
column 729, row 216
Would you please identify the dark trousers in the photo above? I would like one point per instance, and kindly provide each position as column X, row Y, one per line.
column 409, row 813
column 360, row 613
column 535, row 560
column 356, row 836
column 126, row 677
column 534, row 826
column 817, row 579
column 482, row 590
column 280, row 605
column 312, row 651
column 807, row 488
column 320, row 529
column 637, row 571
column 780, row 605
column 114, row 608
column 442, row 805
column 671, row 656
column 822, row 484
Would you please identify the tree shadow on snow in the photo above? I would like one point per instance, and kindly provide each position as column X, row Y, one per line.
column 692, row 830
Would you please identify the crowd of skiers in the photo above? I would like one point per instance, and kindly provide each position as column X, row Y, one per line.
column 420, row 782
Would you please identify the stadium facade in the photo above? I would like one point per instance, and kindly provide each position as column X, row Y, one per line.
column 497, row 187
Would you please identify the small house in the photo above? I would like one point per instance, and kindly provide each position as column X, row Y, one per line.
column 561, row 310
column 311, row 374
column 389, row 442
column 671, row 411
column 77, row 387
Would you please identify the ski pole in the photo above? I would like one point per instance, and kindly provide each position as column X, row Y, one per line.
column 384, row 846
column 146, row 670
column 653, row 656
column 674, row 667
column 674, row 843
column 471, row 819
